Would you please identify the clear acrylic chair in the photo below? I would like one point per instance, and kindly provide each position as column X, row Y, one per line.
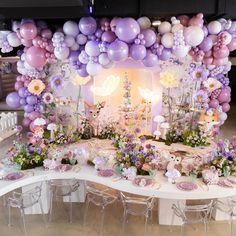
column 23, row 201
column 101, row 196
column 60, row 189
column 137, row 206
column 229, row 207
column 194, row 214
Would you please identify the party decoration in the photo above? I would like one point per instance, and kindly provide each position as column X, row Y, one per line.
column 87, row 25
column 35, row 57
column 13, row 100
column 118, row 51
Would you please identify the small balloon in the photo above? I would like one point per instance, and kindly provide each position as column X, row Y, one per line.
column 164, row 27
column 167, row 40
column 150, row 60
column 214, row 103
column 93, row 69
column 138, row 52
column 149, row 37
column 92, row 48
column 71, row 28
column 144, row 22
column 28, row 30
column 13, row 100
column 108, row 36
column 225, row 107
column 13, row 40
column 87, row 25
column 214, row 27
column 31, row 100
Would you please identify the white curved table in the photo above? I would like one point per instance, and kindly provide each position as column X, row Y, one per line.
column 167, row 193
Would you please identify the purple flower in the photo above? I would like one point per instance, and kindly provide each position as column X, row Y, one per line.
column 199, row 74
column 56, row 81
column 148, row 146
column 133, row 158
column 142, row 139
column 137, row 130
column 201, row 96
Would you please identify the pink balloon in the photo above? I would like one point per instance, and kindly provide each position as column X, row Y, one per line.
column 232, row 45
column 18, row 85
column 183, row 20
column 214, row 103
column 196, row 20
column 221, row 53
column 34, row 114
column 35, row 57
column 208, row 60
column 225, row 107
column 208, row 54
column 224, row 96
column 28, row 30
column 26, row 42
column 26, row 122
column 46, row 33
column 220, row 61
column 108, row 36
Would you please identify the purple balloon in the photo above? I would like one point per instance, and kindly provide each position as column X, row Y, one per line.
column 206, row 44
column 127, row 29
column 28, row 108
column 13, row 100
column 138, row 52
column 23, row 102
column 150, row 60
column 26, row 122
column 225, row 107
column 165, row 54
column 22, row 92
column 82, row 71
column 18, row 85
column 87, row 25
column 205, row 31
column 31, row 100
column 73, row 56
column 118, row 51
column 108, row 36
column 92, row 48
column 34, row 114
column 98, row 33
column 149, row 37
column 214, row 103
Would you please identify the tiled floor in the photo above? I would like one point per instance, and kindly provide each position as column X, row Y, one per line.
column 113, row 218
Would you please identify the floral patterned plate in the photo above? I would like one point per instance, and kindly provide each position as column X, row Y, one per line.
column 225, row 183
column 14, row 176
column 143, row 182
column 186, row 186
column 106, row 173
column 63, row 167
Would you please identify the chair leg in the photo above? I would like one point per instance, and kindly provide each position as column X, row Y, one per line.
column 23, row 220
column 71, row 213
column 42, row 211
column 182, row 230
column 86, row 211
column 124, row 222
column 205, row 228
column 9, row 216
column 102, row 221
column 231, row 225
column 146, row 225
column 51, row 203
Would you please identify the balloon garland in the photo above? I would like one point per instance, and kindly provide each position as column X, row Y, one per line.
column 91, row 45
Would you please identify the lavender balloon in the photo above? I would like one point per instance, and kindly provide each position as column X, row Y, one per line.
column 108, row 36
column 31, row 100
column 118, row 51
column 149, row 37
column 92, row 48
column 87, row 25
column 28, row 108
column 138, row 52
column 165, row 54
column 127, row 29
column 206, row 44
column 22, row 92
column 13, row 100
column 150, row 60
column 82, row 71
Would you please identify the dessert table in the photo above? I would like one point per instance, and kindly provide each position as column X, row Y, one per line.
column 167, row 193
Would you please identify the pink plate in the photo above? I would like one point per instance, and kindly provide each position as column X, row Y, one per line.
column 143, row 182
column 106, row 173
column 14, row 176
column 63, row 167
column 186, row 186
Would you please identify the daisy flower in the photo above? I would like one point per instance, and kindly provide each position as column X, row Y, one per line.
column 36, row 86
column 47, row 98
column 168, row 80
column 199, row 74
column 56, row 81
column 212, row 84
column 201, row 96
column 39, row 122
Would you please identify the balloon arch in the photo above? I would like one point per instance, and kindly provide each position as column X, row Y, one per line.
column 91, row 45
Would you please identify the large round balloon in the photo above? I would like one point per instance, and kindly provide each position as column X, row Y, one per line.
column 26, row 122
column 150, row 60
column 71, row 28
column 28, row 30
column 167, row 40
column 127, row 29
column 92, row 48
column 149, row 37
column 103, row 59
column 181, row 52
column 118, row 51
column 193, row 35
column 108, row 36
column 31, row 100
column 93, row 68
column 224, row 96
column 13, row 39
column 221, row 53
column 232, row 45
column 214, row 27
column 87, row 25
column 13, row 100
column 206, row 44
column 138, row 52
column 35, row 57
column 144, row 22
column 62, row 53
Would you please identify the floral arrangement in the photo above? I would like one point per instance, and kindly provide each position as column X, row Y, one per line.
column 108, row 131
column 134, row 157
column 224, row 161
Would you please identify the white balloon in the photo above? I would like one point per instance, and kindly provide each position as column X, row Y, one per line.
column 27, row 66
column 144, row 22
column 223, row 116
column 81, row 39
column 214, row 27
column 69, row 40
column 93, row 68
column 13, row 40
column 103, row 59
column 167, row 40
column 71, row 28
column 181, row 52
column 75, row 47
column 62, row 54
column 177, row 28
column 193, row 35
column 164, row 27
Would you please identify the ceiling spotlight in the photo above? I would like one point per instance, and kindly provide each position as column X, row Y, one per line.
column 156, row 23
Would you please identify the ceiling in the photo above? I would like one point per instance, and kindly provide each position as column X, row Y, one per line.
column 72, row 9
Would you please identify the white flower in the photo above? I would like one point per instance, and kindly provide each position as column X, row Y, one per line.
column 52, row 127
column 165, row 125
column 157, row 133
column 212, row 84
column 159, row 119
column 39, row 121
column 47, row 98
